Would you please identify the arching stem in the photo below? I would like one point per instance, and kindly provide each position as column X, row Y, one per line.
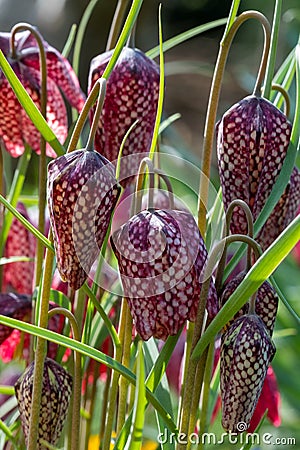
column 214, row 101
column 285, row 95
column 117, row 22
column 95, row 123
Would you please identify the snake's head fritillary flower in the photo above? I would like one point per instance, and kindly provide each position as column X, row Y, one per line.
column 246, row 351
column 283, row 213
column 16, row 306
column 15, row 126
column 269, row 400
column 252, row 140
column 55, row 398
column 161, row 257
column 266, row 302
column 131, row 94
column 82, row 193
column 20, row 242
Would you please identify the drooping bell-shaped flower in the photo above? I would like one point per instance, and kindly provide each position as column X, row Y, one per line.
column 246, row 351
column 16, row 306
column 82, row 193
column 252, row 140
column 269, row 400
column 266, row 302
column 131, row 94
column 55, row 398
column 20, row 242
column 283, row 213
column 161, row 257
column 15, row 126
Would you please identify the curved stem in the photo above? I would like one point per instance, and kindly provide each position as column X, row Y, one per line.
column 116, row 24
column 214, row 100
column 146, row 163
column 40, row 350
column 77, row 376
column 82, row 117
column 285, row 95
column 42, row 158
column 169, row 186
column 235, row 203
column 102, row 89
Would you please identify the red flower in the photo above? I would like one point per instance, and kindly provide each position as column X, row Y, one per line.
column 15, row 126
column 20, row 242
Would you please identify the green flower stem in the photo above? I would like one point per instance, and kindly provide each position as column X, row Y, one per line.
column 273, row 49
column 5, row 429
column 146, row 163
column 40, row 350
column 285, row 95
column 42, row 159
column 102, row 89
column 129, row 23
column 214, row 101
column 27, row 224
column 1, row 211
column 258, row 273
column 206, row 391
column 192, row 365
column 82, row 117
column 75, row 429
column 117, row 22
column 252, row 244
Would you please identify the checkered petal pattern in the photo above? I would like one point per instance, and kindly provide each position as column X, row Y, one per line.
column 20, row 242
column 161, row 257
column 131, row 94
column 266, row 303
column 252, row 140
column 246, row 351
column 82, row 193
column 56, row 393
column 15, row 126
column 283, row 213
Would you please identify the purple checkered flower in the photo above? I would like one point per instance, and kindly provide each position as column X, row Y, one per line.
column 252, row 140
column 246, row 351
column 131, row 94
column 82, row 193
column 15, row 126
column 161, row 257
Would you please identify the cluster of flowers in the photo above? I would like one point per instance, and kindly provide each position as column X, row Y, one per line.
column 160, row 252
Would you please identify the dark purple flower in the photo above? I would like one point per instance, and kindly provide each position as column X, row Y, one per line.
column 161, row 257
column 15, row 126
column 266, row 303
column 131, row 94
column 82, row 193
column 246, row 351
column 56, row 393
column 252, row 140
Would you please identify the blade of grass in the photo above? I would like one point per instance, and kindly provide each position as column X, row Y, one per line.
column 260, row 271
column 32, row 111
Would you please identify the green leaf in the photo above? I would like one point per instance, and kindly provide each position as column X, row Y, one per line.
column 135, row 441
column 30, row 108
column 90, row 352
column 180, row 38
column 261, row 270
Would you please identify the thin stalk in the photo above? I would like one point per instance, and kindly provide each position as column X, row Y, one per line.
column 40, row 351
column 273, row 49
column 214, row 101
column 249, row 218
column 117, row 22
column 206, row 391
column 42, row 159
column 285, row 95
column 102, row 89
column 1, row 211
column 75, row 430
column 146, row 163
